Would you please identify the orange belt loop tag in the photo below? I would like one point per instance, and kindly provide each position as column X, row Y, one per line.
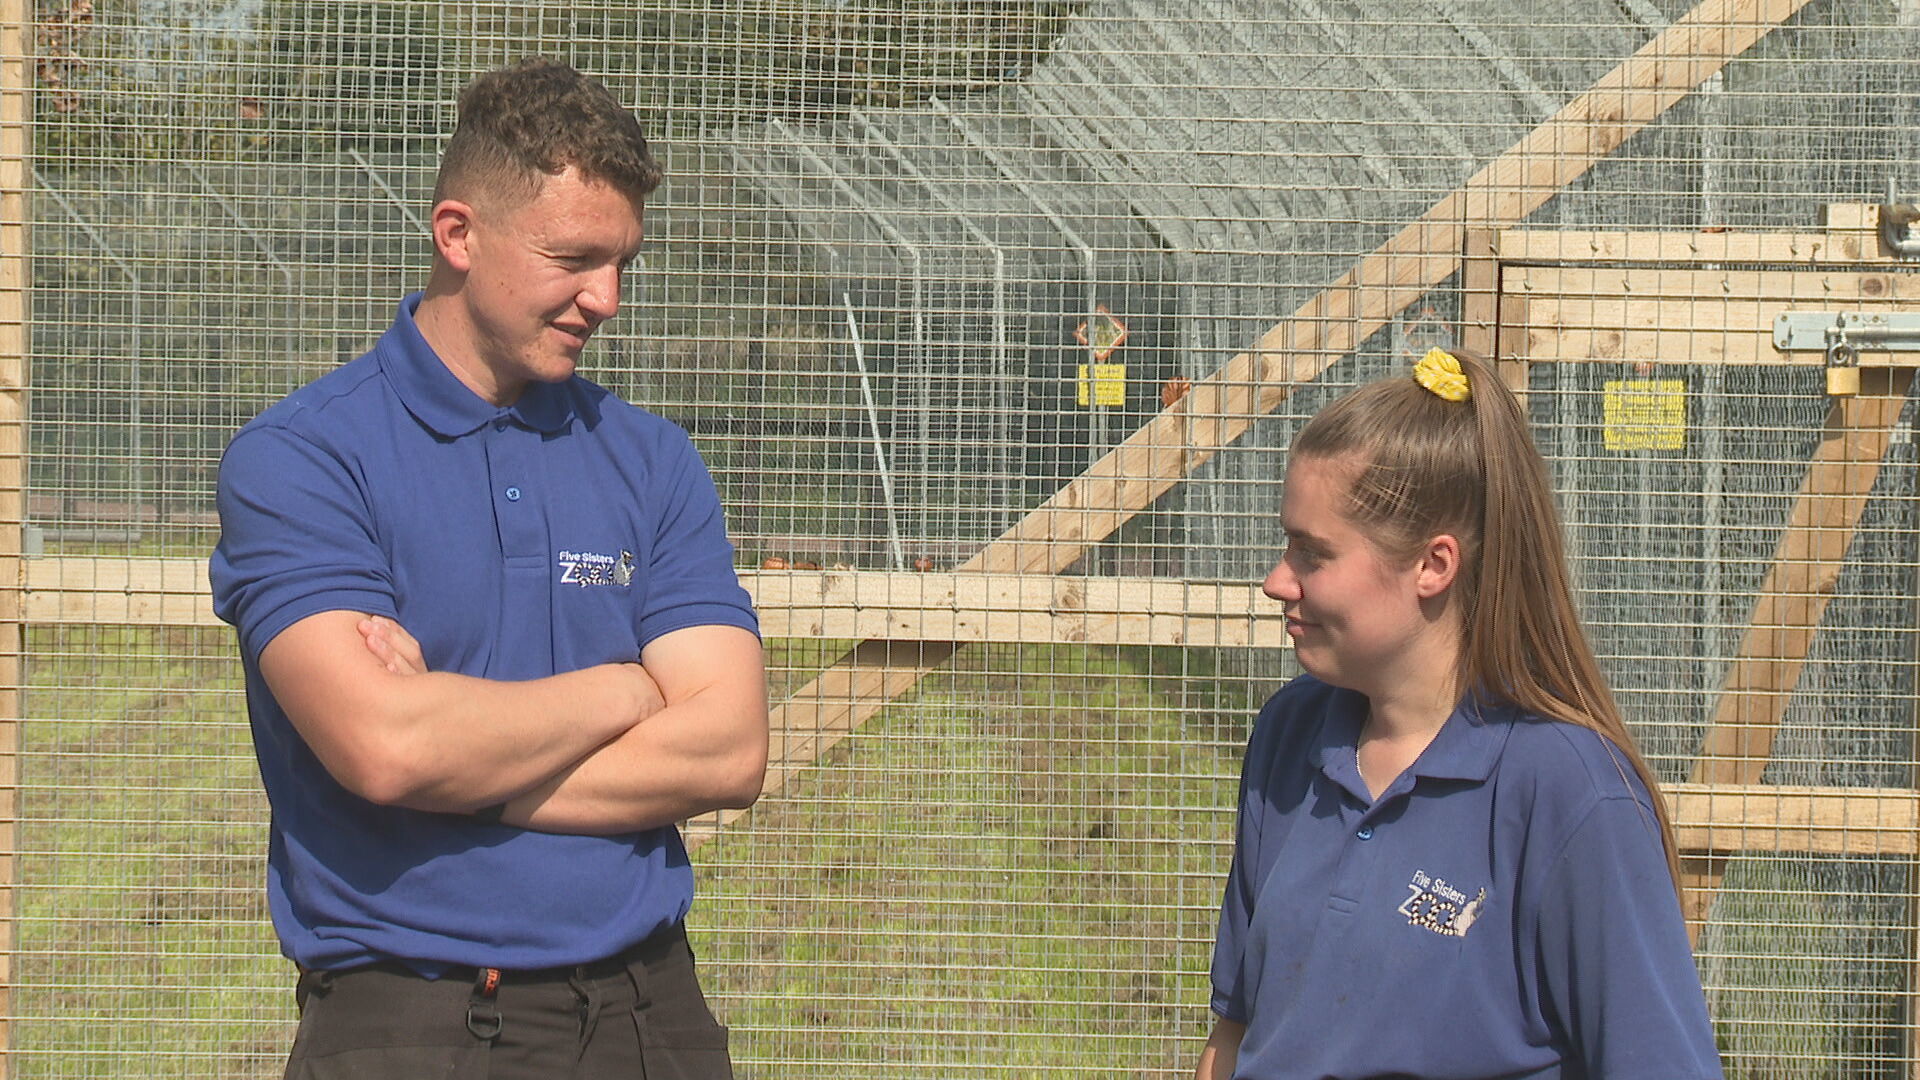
column 483, row 1018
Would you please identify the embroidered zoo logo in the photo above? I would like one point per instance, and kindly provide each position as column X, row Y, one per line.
column 584, row 568
column 1437, row 906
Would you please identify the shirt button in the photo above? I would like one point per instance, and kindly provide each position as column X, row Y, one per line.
column 500, row 424
column 513, row 494
column 1365, row 833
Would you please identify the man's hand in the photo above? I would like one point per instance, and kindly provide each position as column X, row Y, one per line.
column 392, row 645
column 706, row 750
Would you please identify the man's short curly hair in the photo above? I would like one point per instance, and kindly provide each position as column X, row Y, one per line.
column 522, row 123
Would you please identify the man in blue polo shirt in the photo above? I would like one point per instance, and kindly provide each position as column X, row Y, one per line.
column 493, row 641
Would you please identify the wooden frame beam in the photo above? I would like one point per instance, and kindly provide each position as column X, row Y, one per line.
column 1719, row 820
column 1852, row 243
column 1709, row 818
column 882, row 605
column 1480, row 292
column 1667, row 315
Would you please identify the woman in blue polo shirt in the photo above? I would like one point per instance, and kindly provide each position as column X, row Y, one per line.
column 1451, row 862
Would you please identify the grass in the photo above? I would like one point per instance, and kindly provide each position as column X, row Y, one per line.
column 1013, row 870
column 144, row 948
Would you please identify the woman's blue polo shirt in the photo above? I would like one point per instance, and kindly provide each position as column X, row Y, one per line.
column 566, row 530
column 1503, row 910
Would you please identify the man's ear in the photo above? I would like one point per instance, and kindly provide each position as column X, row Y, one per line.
column 453, row 233
column 1439, row 566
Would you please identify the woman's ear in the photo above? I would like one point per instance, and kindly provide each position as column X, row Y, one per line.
column 452, row 227
column 1439, row 566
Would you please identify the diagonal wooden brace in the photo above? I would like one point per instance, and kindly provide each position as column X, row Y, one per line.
column 1223, row 406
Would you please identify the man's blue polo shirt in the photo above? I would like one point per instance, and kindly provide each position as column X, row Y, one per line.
column 567, row 530
column 1504, row 910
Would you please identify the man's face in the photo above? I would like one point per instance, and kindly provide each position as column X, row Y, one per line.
column 543, row 274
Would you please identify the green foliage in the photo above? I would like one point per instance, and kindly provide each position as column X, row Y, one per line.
column 303, row 78
column 368, row 75
column 749, row 60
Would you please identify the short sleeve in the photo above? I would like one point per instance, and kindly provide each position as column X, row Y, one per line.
column 691, row 580
column 1243, row 885
column 1236, row 909
column 296, row 538
column 1615, row 965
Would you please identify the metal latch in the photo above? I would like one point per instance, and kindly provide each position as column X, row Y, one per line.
column 1808, row 331
column 1842, row 336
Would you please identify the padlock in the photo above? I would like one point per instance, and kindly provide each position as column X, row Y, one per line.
column 1843, row 370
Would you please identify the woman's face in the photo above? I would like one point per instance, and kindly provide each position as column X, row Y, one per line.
column 1352, row 613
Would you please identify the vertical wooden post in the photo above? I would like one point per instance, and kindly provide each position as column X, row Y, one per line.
column 16, row 173
column 1510, row 344
column 1910, row 1030
column 1480, row 293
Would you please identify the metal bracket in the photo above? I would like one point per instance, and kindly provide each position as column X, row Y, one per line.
column 1825, row 330
column 1897, row 226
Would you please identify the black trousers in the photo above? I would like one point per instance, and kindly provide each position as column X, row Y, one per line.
column 637, row 1016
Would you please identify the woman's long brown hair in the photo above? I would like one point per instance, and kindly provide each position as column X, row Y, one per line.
column 1427, row 466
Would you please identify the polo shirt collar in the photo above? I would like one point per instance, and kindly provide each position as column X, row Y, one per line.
column 1467, row 747
column 438, row 399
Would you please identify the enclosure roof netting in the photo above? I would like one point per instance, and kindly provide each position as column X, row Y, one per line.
column 1224, row 126
column 894, row 190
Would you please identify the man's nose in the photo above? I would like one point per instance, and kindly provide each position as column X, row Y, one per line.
column 600, row 294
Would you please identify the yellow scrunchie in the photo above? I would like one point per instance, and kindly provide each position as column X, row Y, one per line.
column 1439, row 371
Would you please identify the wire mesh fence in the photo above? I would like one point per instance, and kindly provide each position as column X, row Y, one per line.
column 917, row 268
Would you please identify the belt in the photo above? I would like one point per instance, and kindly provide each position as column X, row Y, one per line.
column 650, row 948
column 483, row 1017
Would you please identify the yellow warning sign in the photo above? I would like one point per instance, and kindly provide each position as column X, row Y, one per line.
column 1645, row 414
column 1102, row 384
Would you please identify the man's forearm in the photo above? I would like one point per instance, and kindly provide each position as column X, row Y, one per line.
column 480, row 742
column 683, row 761
column 438, row 741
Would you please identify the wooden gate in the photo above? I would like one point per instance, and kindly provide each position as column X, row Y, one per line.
column 1638, row 301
